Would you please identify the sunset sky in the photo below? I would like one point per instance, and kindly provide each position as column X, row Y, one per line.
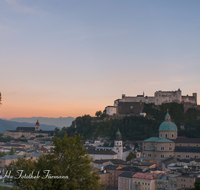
column 62, row 58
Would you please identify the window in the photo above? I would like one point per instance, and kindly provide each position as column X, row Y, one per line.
column 172, row 135
column 170, row 148
column 196, row 156
column 178, row 156
column 162, row 156
column 162, row 148
column 127, row 186
column 155, row 155
column 145, row 183
column 160, row 135
column 188, row 145
column 123, row 185
column 187, row 156
column 124, row 180
column 165, row 135
column 148, row 184
column 149, row 155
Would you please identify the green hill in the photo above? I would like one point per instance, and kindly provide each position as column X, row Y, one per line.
column 137, row 127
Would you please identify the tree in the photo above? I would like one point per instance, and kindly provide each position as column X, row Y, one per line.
column 2, row 154
column 66, row 167
column 196, row 186
column 98, row 113
column 11, row 152
column 130, row 156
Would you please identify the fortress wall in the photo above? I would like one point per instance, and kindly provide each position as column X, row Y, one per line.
column 159, row 98
column 167, row 97
column 188, row 105
column 191, row 99
column 144, row 99
column 130, row 108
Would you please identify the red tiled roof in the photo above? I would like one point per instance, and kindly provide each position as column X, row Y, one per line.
column 143, row 176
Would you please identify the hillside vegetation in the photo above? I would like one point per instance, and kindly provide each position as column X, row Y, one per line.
column 137, row 127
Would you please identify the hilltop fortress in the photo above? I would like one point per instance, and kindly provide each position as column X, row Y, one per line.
column 135, row 104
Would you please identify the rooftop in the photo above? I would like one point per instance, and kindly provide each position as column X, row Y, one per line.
column 143, row 176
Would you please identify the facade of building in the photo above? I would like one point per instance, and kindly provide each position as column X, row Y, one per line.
column 169, row 145
column 135, row 104
column 111, row 110
column 143, row 181
column 26, row 132
column 116, row 152
column 186, row 181
column 125, row 181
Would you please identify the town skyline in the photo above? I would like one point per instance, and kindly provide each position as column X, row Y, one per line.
column 68, row 58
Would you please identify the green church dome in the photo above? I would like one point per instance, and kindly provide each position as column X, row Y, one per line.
column 167, row 125
column 118, row 132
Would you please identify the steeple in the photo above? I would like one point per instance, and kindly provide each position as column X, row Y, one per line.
column 167, row 116
column 37, row 126
column 118, row 135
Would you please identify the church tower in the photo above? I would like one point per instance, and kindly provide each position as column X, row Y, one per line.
column 37, row 126
column 168, row 129
column 118, row 145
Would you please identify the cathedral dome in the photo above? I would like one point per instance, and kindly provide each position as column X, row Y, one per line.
column 167, row 125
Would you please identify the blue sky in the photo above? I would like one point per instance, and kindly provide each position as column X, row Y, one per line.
column 70, row 58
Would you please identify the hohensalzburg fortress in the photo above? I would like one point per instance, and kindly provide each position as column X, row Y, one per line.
column 128, row 103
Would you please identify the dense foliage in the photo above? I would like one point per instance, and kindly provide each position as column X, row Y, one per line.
column 130, row 156
column 67, row 167
column 136, row 127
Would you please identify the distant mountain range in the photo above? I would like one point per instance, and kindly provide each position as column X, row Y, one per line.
column 45, row 123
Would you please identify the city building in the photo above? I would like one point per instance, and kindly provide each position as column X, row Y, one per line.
column 27, row 132
column 116, row 152
column 168, row 144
